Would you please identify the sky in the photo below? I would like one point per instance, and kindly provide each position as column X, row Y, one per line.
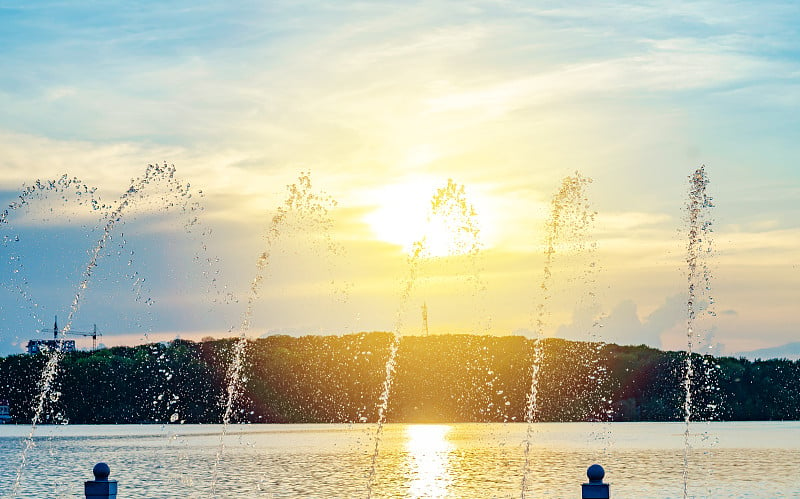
column 381, row 104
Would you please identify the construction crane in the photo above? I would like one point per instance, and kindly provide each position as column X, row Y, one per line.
column 93, row 333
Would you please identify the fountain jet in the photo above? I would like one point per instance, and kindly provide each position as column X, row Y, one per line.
column 310, row 211
column 452, row 229
column 567, row 227
column 177, row 194
column 699, row 303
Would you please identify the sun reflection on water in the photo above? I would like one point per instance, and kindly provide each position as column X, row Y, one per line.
column 428, row 458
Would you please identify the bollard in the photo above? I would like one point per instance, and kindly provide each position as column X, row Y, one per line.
column 595, row 489
column 101, row 487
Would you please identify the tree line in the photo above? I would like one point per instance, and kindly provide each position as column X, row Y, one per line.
column 442, row 378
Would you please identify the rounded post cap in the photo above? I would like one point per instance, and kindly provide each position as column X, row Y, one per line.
column 595, row 473
column 101, row 472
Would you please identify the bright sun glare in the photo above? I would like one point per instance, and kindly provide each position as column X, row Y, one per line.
column 429, row 460
column 440, row 218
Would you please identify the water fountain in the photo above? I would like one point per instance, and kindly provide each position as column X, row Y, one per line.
column 303, row 211
column 568, row 226
column 700, row 374
column 176, row 194
column 451, row 229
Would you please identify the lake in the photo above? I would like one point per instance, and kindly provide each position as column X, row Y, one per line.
column 642, row 460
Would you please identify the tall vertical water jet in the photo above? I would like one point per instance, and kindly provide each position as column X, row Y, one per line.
column 699, row 304
column 451, row 229
column 177, row 194
column 309, row 211
column 570, row 219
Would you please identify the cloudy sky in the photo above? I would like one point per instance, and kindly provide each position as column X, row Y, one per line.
column 382, row 103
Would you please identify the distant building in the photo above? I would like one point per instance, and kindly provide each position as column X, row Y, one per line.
column 5, row 415
column 36, row 346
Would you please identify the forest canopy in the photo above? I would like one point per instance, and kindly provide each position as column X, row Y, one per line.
column 442, row 378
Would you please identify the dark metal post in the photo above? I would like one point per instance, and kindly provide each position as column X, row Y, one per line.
column 595, row 489
column 101, row 487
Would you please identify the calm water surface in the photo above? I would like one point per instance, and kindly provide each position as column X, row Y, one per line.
column 642, row 460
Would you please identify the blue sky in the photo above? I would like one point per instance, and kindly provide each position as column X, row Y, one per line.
column 383, row 102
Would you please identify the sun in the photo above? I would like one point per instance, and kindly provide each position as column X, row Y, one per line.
column 399, row 213
column 433, row 219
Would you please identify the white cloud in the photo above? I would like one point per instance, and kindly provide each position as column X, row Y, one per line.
column 623, row 325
